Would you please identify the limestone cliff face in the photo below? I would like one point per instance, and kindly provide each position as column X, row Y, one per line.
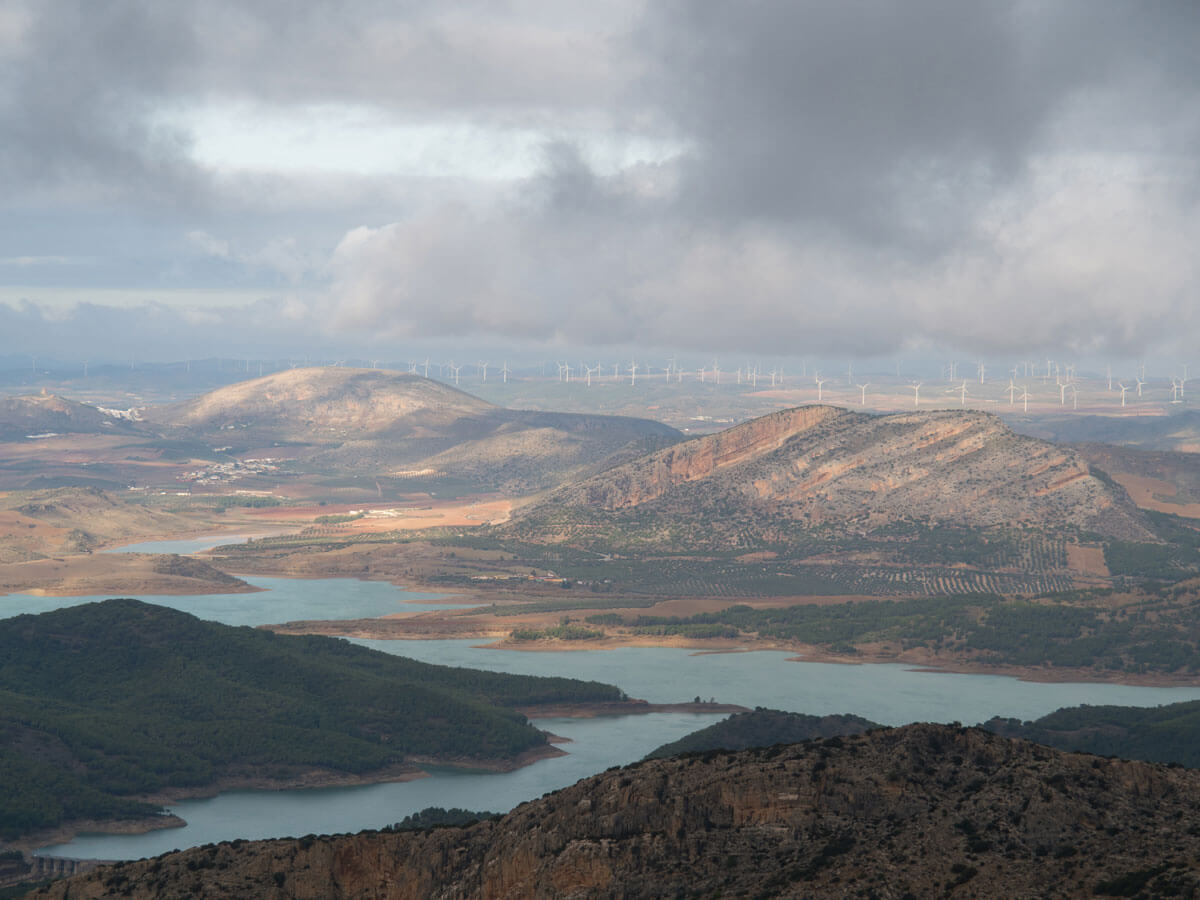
column 925, row 810
column 821, row 465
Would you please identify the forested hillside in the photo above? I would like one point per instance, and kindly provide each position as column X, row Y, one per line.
column 103, row 703
column 763, row 728
column 1169, row 734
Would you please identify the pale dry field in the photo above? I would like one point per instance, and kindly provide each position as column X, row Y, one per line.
column 1148, row 492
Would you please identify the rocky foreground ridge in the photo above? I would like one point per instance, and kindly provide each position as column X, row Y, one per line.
column 919, row 811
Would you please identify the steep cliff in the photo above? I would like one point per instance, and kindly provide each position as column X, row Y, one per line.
column 920, row 811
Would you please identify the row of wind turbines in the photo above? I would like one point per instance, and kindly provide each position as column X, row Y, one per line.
column 1027, row 379
column 566, row 372
column 1065, row 378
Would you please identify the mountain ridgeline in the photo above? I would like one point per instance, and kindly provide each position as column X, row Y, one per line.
column 824, row 468
column 106, row 703
column 919, row 811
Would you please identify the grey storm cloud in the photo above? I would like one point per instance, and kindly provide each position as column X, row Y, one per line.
column 854, row 177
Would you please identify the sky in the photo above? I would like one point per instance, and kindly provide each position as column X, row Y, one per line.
column 860, row 178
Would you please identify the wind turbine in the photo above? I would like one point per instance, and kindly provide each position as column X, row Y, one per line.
column 1025, row 397
column 916, row 389
column 1123, row 390
column 1012, row 390
column 863, row 388
column 1062, row 392
column 982, row 371
column 1140, row 382
column 455, row 369
column 1108, row 373
column 717, row 371
column 963, row 393
column 504, row 371
column 482, row 367
column 633, row 367
column 821, row 382
column 427, row 367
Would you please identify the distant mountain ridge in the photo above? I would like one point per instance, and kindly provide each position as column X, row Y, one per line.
column 828, row 467
column 319, row 404
column 49, row 413
column 380, row 421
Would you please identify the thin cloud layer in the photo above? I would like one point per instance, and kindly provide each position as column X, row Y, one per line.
column 853, row 178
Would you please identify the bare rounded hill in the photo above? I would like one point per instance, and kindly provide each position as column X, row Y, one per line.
column 319, row 403
column 381, row 421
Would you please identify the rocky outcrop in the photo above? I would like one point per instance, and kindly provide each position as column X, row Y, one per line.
column 920, row 811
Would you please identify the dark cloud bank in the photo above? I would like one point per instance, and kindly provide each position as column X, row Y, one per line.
column 853, row 178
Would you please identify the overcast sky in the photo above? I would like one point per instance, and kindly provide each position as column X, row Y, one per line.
column 859, row 178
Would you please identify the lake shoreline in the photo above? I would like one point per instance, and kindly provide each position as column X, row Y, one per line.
column 411, row 770
column 624, row 708
column 416, row 629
